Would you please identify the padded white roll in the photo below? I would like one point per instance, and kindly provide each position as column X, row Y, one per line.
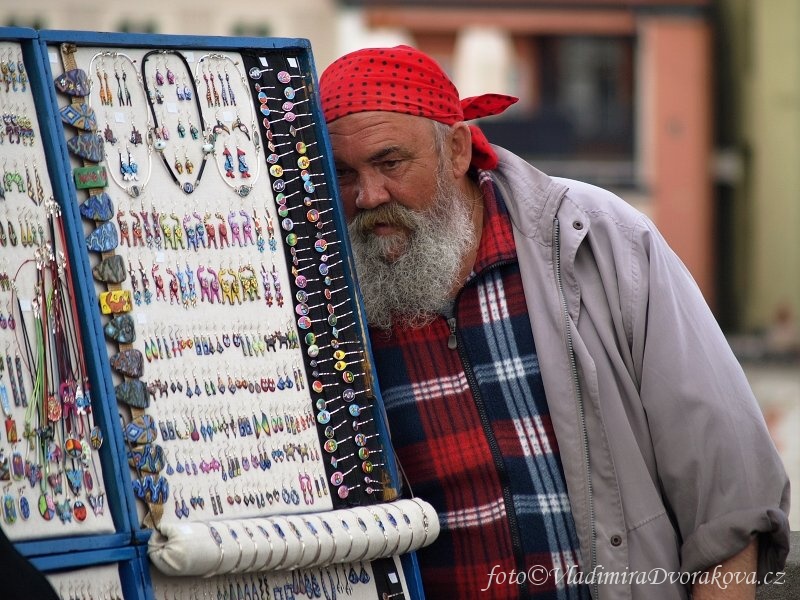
column 356, row 534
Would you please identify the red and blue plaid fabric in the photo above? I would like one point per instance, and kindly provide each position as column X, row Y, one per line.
column 472, row 431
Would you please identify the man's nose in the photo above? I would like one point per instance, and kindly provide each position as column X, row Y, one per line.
column 372, row 192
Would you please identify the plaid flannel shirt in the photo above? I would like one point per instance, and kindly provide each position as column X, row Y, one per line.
column 472, row 431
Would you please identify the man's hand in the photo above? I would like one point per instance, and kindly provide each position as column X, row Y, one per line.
column 744, row 564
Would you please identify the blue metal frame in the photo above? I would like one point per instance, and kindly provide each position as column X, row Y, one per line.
column 128, row 559
column 128, row 546
column 109, row 455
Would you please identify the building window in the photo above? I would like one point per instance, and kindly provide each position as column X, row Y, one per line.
column 34, row 23
column 581, row 104
column 249, row 29
column 131, row 26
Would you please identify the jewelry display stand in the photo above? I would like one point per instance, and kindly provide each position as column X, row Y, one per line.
column 188, row 322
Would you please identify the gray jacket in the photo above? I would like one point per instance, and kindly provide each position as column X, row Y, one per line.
column 666, row 455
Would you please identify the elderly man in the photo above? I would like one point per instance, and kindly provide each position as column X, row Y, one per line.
column 556, row 386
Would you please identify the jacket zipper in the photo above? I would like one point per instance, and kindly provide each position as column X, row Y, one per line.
column 502, row 472
column 579, row 398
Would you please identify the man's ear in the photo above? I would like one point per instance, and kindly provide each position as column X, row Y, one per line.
column 460, row 148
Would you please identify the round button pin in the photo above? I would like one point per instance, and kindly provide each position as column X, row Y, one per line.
column 283, row 211
column 337, row 478
column 317, row 386
column 330, row 446
column 291, row 239
column 313, row 351
column 304, row 323
column 276, row 170
column 301, row 309
column 288, row 93
column 303, row 162
column 324, row 417
column 313, row 215
column 284, row 77
column 301, row 295
column 348, row 377
column 300, row 281
column 348, row 394
column 287, row 224
column 320, row 245
column 323, row 269
column 301, row 147
column 310, row 338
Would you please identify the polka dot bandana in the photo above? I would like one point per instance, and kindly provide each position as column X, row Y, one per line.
column 404, row 80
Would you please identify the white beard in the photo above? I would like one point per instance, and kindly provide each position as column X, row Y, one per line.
column 407, row 278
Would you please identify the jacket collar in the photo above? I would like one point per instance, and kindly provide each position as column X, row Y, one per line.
column 538, row 196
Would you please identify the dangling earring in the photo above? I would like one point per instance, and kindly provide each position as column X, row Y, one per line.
column 193, row 131
column 178, row 164
column 133, row 168
column 164, row 130
column 228, row 162
column 29, row 183
column 12, row 234
column 189, row 164
column 243, row 168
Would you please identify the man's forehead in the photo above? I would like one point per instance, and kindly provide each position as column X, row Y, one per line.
column 368, row 133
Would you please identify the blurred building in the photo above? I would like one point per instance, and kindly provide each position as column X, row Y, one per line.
column 618, row 93
column 313, row 19
column 689, row 109
column 758, row 50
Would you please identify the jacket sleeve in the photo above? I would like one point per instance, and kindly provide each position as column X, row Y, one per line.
column 718, row 468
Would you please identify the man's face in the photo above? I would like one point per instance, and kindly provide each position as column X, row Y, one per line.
column 410, row 224
column 382, row 158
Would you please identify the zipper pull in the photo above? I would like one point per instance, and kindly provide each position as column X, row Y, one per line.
column 452, row 341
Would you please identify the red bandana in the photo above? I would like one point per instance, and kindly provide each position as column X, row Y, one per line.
column 404, row 80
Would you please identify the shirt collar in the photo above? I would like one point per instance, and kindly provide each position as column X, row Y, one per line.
column 497, row 238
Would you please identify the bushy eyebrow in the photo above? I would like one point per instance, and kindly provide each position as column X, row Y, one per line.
column 389, row 151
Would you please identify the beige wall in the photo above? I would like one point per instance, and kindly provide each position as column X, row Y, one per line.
column 773, row 132
column 312, row 19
